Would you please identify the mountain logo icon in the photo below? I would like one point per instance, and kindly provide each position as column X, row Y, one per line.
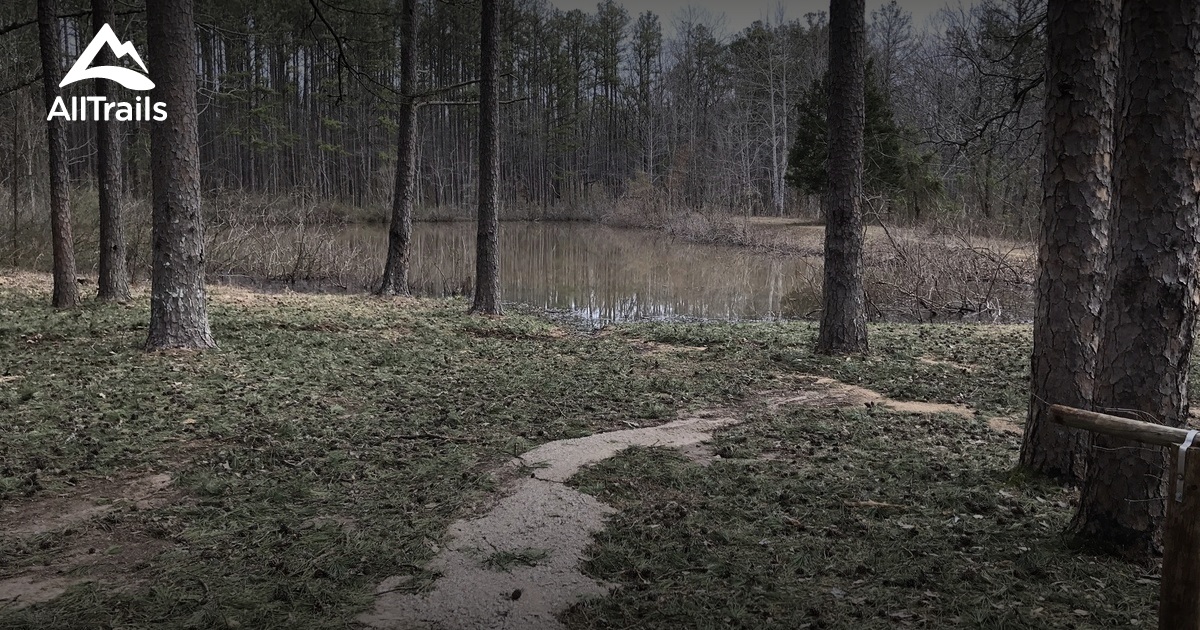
column 129, row 78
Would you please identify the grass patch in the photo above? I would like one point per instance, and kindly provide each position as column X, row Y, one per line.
column 981, row 365
column 854, row 518
column 847, row 519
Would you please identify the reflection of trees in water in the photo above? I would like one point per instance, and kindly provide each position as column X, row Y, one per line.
column 611, row 274
column 608, row 274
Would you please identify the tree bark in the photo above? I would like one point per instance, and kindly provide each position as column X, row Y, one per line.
column 1146, row 340
column 66, row 285
column 1081, row 70
column 487, row 254
column 844, row 315
column 395, row 271
column 178, row 309
column 114, row 275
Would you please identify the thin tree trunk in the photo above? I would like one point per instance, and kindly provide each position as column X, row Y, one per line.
column 15, row 184
column 178, row 309
column 1146, row 341
column 1081, row 66
column 66, row 286
column 487, row 256
column 395, row 271
column 844, row 316
column 114, row 276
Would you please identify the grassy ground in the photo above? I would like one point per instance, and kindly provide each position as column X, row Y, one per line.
column 856, row 518
column 326, row 444
column 330, row 440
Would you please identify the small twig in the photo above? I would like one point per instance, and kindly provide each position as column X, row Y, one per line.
column 404, row 585
column 434, row 436
column 873, row 504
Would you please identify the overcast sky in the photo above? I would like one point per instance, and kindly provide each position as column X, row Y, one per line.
column 740, row 13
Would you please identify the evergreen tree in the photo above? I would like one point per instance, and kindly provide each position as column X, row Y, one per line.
column 892, row 165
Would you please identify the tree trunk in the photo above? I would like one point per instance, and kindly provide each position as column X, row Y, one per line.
column 1143, row 356
column 844, row 316
column 1081, row 66
column 114, row 276
column 487, row 255
column 395, row 271
column 178, row 310
column 66, row 286
column 14, row 185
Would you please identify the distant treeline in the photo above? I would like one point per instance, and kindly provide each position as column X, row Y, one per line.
column 300, row 97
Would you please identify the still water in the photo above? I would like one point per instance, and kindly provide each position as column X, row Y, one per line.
column 610, row 274
column 602, row 274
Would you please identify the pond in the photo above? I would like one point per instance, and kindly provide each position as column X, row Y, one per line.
column 604, row 274
column 593, row 272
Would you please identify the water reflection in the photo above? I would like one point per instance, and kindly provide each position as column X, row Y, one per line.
column 607, row 274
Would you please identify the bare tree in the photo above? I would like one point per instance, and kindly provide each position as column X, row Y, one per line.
column 844, row 316
column 66, row 287
column 178, row 308
column 892, row 46
column 976, row 93
column 1154, row 290
column 487, row 254
column 113, row 283
column 395, row 271
column 1081, row 67
column 766, row 86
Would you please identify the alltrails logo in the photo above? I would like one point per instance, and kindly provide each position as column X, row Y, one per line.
column 99, row 107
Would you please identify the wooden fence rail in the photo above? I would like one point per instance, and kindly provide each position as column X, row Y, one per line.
column 1179, row 589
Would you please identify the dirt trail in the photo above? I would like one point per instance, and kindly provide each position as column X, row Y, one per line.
column 830, row 393
column 517, row 566
column 543, row 518
column 93, row 553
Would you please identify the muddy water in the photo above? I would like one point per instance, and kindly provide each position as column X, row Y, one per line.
column 608, row 274
column 602, row 274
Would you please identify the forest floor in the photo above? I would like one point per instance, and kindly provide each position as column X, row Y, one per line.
column 338, row 460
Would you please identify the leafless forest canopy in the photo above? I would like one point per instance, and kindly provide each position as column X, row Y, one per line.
column 612, row 112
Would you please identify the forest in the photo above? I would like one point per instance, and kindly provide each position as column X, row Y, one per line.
column 470, row 314
column 301, row 99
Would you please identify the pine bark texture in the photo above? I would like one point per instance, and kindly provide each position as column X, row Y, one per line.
column 395, row 271
column 1146, row 339
column 844, row 315
column 178, row 309
column 487, row 254
column 1081, row 70
column 66, row 285
column 113, row 284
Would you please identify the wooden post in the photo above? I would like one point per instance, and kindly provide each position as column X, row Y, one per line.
column 1179, row 590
